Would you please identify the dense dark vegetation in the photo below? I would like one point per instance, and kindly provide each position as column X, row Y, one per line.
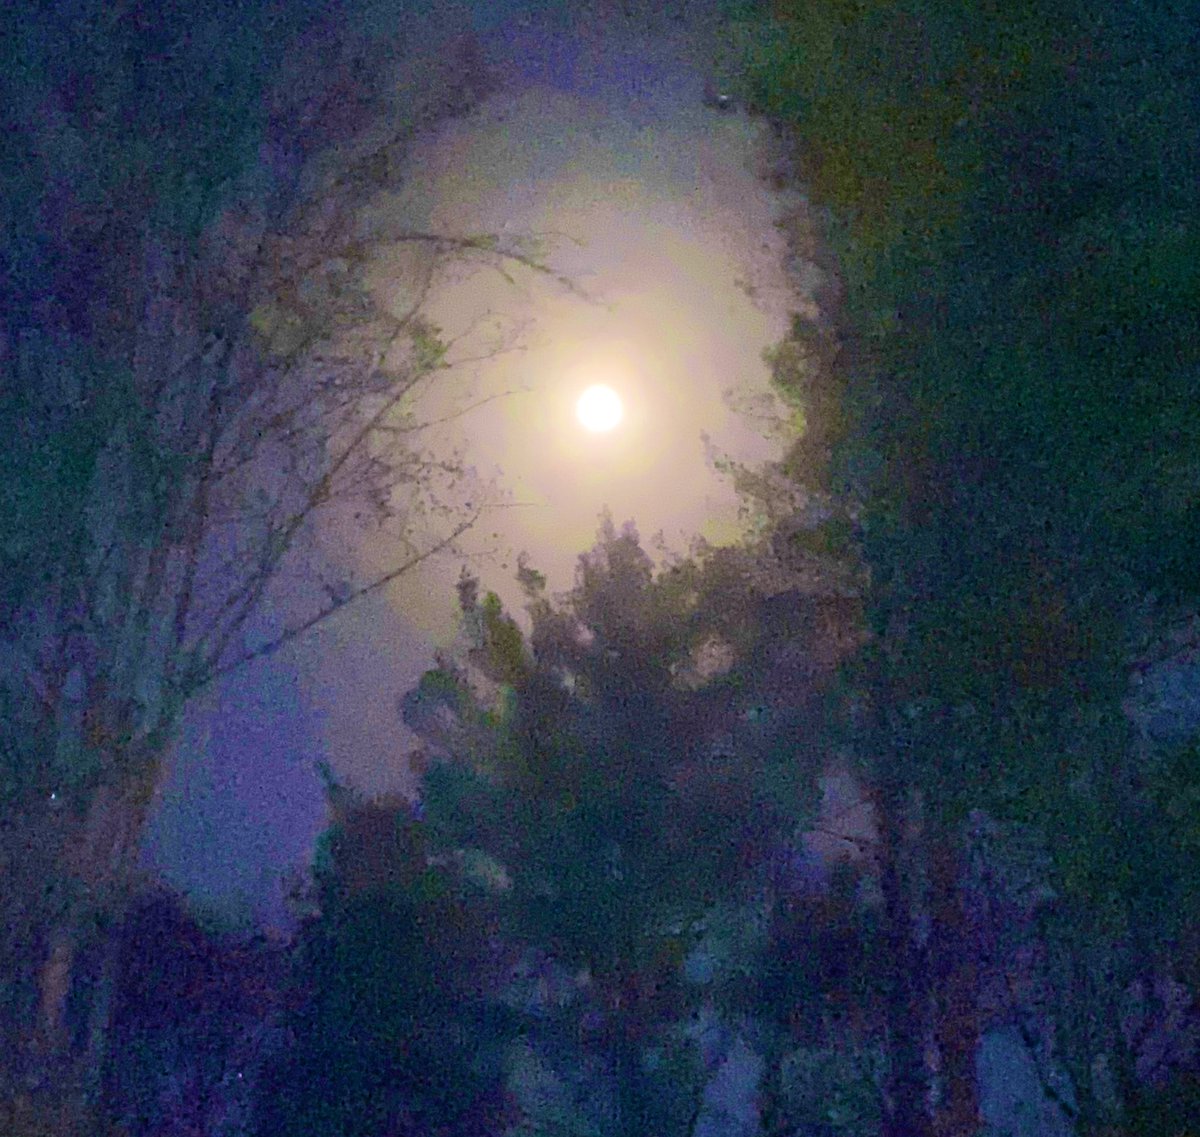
column 595, row 812
column 606, row 880
column 1013, row 200
column 130, row 131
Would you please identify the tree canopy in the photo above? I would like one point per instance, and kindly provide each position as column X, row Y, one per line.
column 628, row 770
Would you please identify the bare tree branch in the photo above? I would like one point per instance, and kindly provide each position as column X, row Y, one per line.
column 416, row 427
column 858, row 842
column 488, row 244
column 337, row 605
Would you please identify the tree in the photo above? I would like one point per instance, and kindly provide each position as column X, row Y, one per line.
column 396, row 1025
column 615, row 766
column 193, row 1014
column 167, row 472
column 1021, row 452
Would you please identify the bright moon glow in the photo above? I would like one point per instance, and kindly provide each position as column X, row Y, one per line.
column 599, row 409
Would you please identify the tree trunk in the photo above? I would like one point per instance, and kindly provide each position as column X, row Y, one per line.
column 955, row 987
column 51, row 1037
column 98, row 866
column 99, row 1020
column 773, row 1112
column 628, row 1068
column 905, row 1113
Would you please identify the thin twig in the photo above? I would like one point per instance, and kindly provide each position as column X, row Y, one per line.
column 490, row 246
column 290, row 634
column 456, row 414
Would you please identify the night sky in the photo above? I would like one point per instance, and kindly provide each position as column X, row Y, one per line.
column 654, row 204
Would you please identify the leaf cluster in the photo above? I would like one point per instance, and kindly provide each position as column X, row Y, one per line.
column 619, row 771
column 1013, row 197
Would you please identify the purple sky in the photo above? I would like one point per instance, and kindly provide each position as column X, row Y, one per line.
column 603, row 140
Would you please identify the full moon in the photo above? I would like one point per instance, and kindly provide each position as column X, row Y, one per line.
column 599, row 409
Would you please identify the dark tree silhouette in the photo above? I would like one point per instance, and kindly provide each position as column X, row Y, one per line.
column 396, row 1026
column 617, row 763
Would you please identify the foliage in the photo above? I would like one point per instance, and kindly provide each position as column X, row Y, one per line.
column 598, row 776
column 395, row 1023
column 835, row 1086
column 1033, row 272
column 191, row 1012
column 153, row 148
column 1013, row 213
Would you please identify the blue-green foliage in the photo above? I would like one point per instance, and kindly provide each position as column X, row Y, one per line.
column 590, row 778
column 1016, row 207
column 120, row 114
column 1014, row 193
column 393, row 1021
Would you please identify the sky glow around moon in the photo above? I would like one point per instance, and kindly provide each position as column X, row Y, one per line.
column 601, row 153
column 599, row 409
